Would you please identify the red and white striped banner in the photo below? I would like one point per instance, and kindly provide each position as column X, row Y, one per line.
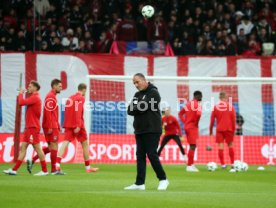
column 72, row 68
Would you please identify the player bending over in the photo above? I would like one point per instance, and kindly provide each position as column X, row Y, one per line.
column 225, row 116
column 51, row 127
column 190, row 116
column 31, row 134
column 172, row 131
column 74, row 127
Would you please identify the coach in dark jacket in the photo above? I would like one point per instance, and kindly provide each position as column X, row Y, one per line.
column 147, row 128
column 146, row 121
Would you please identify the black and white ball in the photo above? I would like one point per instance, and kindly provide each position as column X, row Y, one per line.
column 147, row 11
column 212, row 166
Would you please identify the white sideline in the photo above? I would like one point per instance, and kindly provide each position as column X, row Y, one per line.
column 154, row 192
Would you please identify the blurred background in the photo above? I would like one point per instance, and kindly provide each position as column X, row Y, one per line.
column 204, row 27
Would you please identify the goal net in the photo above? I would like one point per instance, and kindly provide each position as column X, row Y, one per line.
column 111, row 129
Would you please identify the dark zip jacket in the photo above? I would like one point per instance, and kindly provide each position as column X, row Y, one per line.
column 145, row 109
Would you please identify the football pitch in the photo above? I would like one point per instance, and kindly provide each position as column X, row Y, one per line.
column 105, row 189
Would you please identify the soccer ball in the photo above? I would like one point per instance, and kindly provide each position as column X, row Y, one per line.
column 244, row 166
column 212, row 166
column 147, row 11
column 238, row 165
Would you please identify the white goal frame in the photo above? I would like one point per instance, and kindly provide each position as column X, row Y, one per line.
column 87, row 115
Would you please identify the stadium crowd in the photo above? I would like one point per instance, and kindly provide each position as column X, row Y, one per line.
column 204, row 27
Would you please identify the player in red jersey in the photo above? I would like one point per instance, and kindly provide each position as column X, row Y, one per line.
column 51, row 127
column 31, row 134
column 74, row 126
column 172, row 131
column 225, row 116
column 190, row 116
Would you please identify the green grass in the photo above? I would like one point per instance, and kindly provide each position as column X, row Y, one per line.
column 105, row 188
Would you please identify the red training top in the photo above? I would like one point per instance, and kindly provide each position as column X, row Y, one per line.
column 33, row 111
column 225, row 115
column 192, row 112
column 50, row 112
column 73, row 115
column 171, row 125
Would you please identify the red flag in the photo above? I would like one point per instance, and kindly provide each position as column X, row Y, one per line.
column 114, row 48
column 169, row 50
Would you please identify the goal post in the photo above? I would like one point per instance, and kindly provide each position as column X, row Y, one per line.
column 17, row 122
column 108, row 124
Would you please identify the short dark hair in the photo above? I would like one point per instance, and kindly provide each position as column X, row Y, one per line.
column 222, row 95
column 139, row 75
column 82, row 86
column 197, row 93
column 35, row 84
column 55, row 82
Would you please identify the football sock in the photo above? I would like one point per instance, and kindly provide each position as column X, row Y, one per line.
column 221, row 156
column 191, row 154
column 43, row 166
column 53, row 160
column 17, row 165
column 46, row 150
column 87, row 164
column 231, row 154
column 58, row 161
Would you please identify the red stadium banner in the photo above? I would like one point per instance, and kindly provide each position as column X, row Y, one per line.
column 121, row 149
